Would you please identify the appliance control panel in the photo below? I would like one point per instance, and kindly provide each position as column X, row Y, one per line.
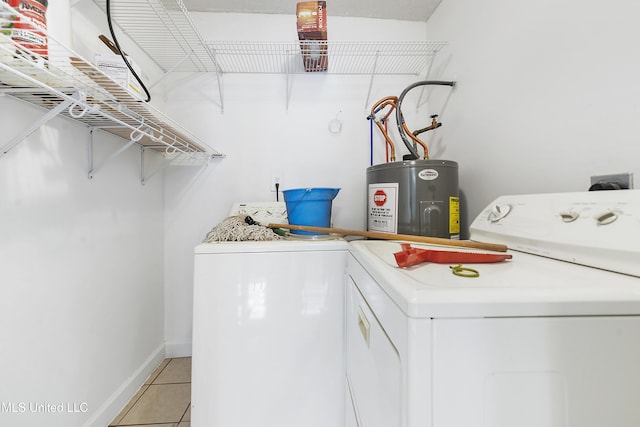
column 597, row 228
column 262, row 212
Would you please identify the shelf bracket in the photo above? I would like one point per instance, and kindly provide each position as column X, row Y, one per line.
column 288, row 91
column 289, row 58
column 35, row 125
column 220, row 89
column 185, row 158
column 214, row 58
column 166, row 74
column 135, row 137
column 373, row 73
column 419, row 103
column 143, row 178
column 142, row 170
column 90, row 154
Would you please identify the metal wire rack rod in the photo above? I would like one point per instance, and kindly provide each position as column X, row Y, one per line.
column 163, row 29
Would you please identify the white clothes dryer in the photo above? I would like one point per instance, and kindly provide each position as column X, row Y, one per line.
column 549, row 338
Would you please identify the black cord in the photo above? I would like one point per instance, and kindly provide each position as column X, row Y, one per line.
column 124, row 58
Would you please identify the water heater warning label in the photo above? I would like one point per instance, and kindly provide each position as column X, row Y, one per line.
column 382, row 206
column 454, row 216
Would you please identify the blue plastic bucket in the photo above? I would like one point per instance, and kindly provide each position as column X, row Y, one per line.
column 309, row 206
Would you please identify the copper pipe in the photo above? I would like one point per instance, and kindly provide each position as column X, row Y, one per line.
column 434, row 124
column 416, row 140
column 378, row 106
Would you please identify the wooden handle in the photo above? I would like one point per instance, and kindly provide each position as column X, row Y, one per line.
column 390, row 236
column 111, row 45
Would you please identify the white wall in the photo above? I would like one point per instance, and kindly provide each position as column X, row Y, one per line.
column 261, row 137
column 547, row 95
column 82, row 307
column 80, row 273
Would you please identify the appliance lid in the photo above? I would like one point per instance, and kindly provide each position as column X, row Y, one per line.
column 526, row 285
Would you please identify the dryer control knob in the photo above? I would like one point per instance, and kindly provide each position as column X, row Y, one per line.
column 498, row 212
column 569, row 216
column 607, row 217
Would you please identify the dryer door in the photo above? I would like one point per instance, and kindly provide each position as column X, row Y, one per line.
column 373, row 365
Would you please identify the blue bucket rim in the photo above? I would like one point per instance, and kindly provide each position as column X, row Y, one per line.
column 311, row 191
column 306, row 189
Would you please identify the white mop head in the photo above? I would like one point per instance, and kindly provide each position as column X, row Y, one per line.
column 235, row 229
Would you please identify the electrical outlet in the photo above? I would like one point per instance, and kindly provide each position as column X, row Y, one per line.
column 624, row 180
column 276, row 179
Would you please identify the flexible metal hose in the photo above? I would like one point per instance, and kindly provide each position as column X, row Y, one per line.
column 402, row 128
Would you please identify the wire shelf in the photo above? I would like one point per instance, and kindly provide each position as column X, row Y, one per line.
column 340, row 57
column 165, row 30
column 61, row 81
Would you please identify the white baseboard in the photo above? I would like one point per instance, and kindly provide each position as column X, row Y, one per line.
column 114, row 404
column 178, row 349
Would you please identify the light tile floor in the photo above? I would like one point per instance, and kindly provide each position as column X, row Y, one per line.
column 163, row 401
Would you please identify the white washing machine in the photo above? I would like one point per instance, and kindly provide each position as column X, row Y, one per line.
column 268, row 334
column 549, row 338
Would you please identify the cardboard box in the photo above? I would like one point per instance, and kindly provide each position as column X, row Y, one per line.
column 113, row 66
column 311, row 19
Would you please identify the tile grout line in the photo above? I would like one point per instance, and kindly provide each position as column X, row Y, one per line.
column 131, row 403
column 148, row 385
column 160, row 372
column 185, row 413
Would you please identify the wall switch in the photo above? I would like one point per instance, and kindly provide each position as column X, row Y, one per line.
column 623, row 180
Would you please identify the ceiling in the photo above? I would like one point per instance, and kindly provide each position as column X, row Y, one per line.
column 410, row 10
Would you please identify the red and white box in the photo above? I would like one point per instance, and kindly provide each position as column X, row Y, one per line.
column 312, row 32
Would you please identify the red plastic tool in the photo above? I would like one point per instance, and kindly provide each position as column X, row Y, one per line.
column 411, row 256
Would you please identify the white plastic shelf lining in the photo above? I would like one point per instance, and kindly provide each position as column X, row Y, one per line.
column 66, row 84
